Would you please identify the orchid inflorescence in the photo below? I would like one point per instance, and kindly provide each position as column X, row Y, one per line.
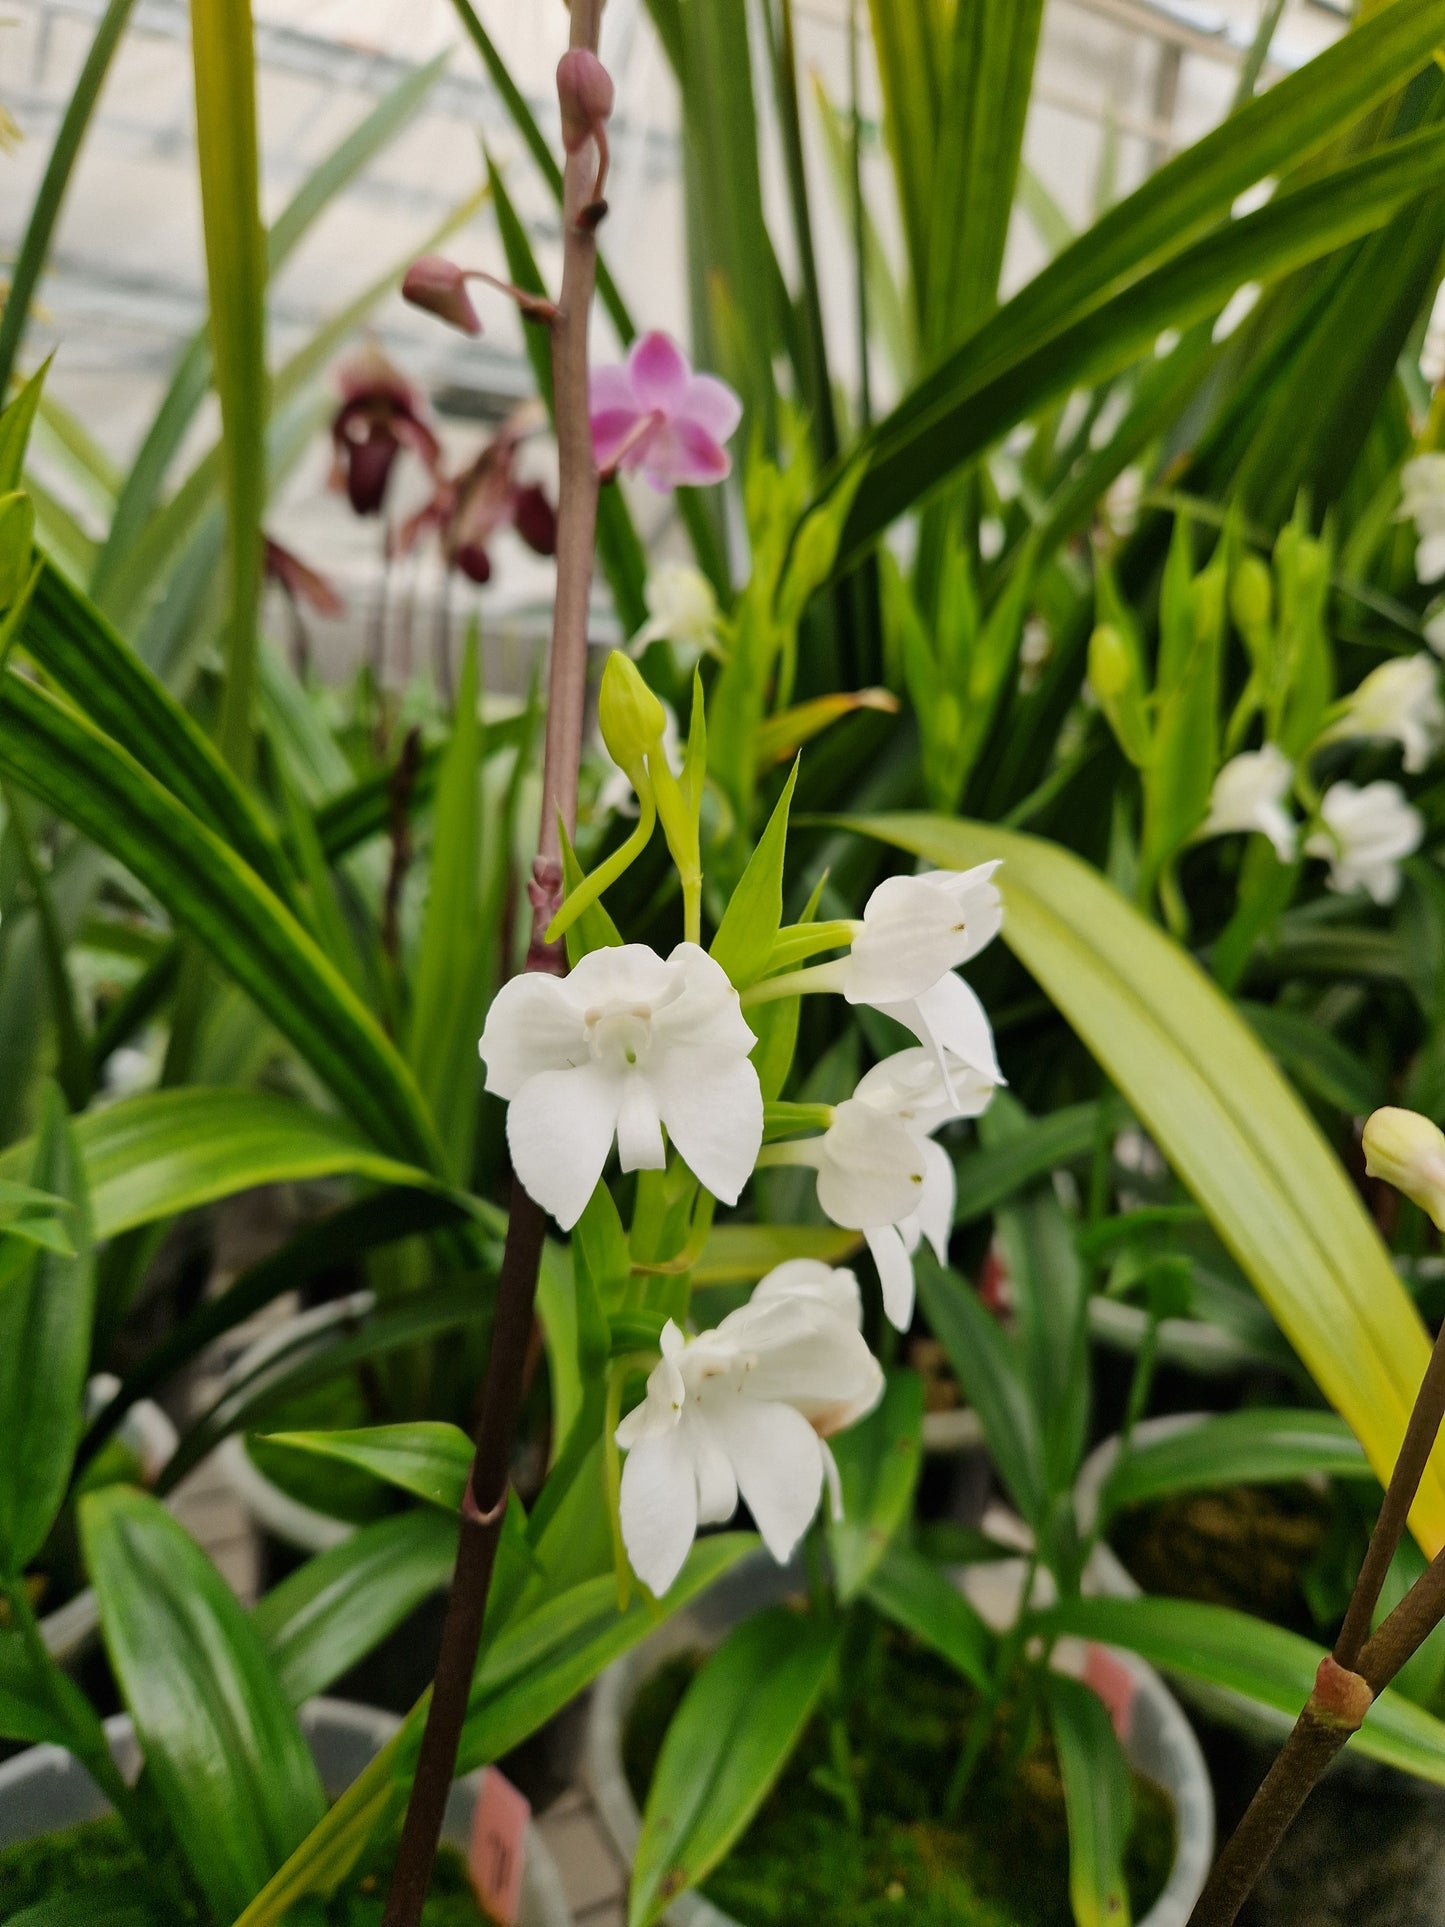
column 656, row 1055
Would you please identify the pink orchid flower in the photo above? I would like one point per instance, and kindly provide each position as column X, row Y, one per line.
column 655, row 415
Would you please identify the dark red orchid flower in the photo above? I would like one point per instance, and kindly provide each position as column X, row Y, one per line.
column 467, row 512
column 380, row 414
column 300, row 582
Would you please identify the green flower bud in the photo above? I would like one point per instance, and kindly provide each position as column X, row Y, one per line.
column 631, row 717
column 1408, row 1152
column 1251, row 597
column 1116, row 679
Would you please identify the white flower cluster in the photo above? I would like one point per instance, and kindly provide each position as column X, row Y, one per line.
column 1363, row 834
column 632, row 1045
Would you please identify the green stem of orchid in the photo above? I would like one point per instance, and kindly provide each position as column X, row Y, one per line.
column 796, row 983
column 602, row 878
column 784, row 1120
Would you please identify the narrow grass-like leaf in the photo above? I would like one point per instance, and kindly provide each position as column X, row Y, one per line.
column 429, row 1460
column 64, row 760
column 878, row 1460
column 916, row 1594
column 1259, row 1446
column 1098, row 1799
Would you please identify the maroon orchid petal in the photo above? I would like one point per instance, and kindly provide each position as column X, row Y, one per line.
column 535, row 519
column 301, row 582
column 368, row 471
column 473, row 561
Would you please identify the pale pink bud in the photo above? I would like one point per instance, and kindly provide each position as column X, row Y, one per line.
column 440, row 286
column 584, row 87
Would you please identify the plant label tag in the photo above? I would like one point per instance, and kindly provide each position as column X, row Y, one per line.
column 1112, row 1680
column 499, row 1833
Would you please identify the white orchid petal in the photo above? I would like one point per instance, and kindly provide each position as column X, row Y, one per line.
column 639, row 1130
column 950, row 1020
column 774, row 1454
column 940, row 1191
column 871, row 1170
column 560, row 1127
column 712, row 1104
column 895, row 1274
column 810, row 1277
column 659, row 1509
column 533, row 1025
column 717, row 1487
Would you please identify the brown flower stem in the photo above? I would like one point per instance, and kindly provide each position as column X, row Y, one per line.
column 485, row 1504
column 1360, row 1667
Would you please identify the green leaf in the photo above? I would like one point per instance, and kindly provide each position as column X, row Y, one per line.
column 40, row 1711
column 987, row 1365
column 1316, row 1058
column 1052, row 1295
column 223, row 1751
column 17, row 418
column 164, row 1152
column 425, row 1458
column 1004, row 373
column 914, row 1593
column 75, row 645
column 1265, row 1663
column 752, row 919
column 98, row 1904
column 878, row 1461
column 228, row 163
column 452, row 980
column 68, row 764
column 728, row 1742
column 740, row 1254
column 1255, row 1447
column 45, row 210
column 1098, row 1799
column 992, row 1173
column 546, row 1656
column 330, row 1613
column 1227, row 1121
column 47, row 1303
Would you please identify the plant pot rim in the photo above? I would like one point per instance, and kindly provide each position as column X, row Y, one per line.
column 345, row 1726
column 1108, row 1575
column 299, row 1526
column 756, row 1582
column 70, row 1628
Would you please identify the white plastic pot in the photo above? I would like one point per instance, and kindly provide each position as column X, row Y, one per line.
column 296, row 1525
column 1161, row 1744
column 70, row 1631
column 45, row 1790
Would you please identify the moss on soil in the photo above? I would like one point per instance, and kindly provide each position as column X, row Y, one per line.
column 102, row 1850
column 1250, row 1547
column 1006, row 1865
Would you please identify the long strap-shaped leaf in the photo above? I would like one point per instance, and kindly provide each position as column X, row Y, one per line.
column 951, row 420
column 92, row 782
column 46, row 211
column 72, row 641
column 1225, row 1118
column 227, row 154
column 1185, row 197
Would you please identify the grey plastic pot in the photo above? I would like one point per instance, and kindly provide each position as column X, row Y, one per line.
column 1161, row 1743
column 71, row 1630
column 45, row 1790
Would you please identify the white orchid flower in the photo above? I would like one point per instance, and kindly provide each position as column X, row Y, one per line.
column 627, row 1044
column 879, row 1171
column 681, row 609
column 1365, row 835
column 617, row 796
column 1422, row 488
column 1249, row 795
column 1399, row 700
column 746, row 1409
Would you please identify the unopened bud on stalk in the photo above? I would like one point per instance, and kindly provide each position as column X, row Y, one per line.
column 586, row 95
column 440, row 286
column 631, row 716
column 1408, row 1152
column 1251, row 597
column 1116, row 679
